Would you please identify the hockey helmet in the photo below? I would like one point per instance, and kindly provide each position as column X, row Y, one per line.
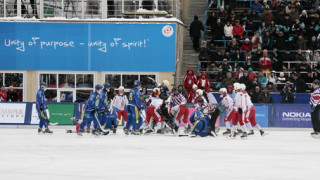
column 137, row 83
column 121, row 88
column 106, row 85
column 156, row 92
column 236, row 86
column 43, row 84
column 98, row 87
column 199, row 92
column 166, row 83
column 223, row 91
column 242, row 87
column 194, row 86
column 316, row 82
column 200, row 100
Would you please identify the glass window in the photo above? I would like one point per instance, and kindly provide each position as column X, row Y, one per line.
column 127, row 80
column 51, row 95
column 66, row 80
column 14, row 79
column 84, row 80
column 113, row 79
column 66, row 96
column 146, row 82
column 50, row 79
column 82, row 95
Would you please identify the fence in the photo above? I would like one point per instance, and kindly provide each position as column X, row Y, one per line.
column 90, row 9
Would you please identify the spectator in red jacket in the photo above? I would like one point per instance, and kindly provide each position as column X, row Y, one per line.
column 3, row 94
column 189, row 80
column 237, row 30
column 247, row 45
column 204, row 83
column 192, row 94
column 265, row 62
column 251, row 74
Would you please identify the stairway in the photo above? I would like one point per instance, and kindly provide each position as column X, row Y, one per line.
column 190, row 57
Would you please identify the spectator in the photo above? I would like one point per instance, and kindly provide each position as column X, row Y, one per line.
column 182, row 91
column 286, row 25
column 254, row 16
column 212, row 19
column 308, row 56
column 225, row 67
column 204, row 54
column 281, row 80
column 287, row 94
column 262, row 79
column 287, row 56
column 257, row 55
column 267, row 41
column 293, row 15
column 217, row 56
column 313, row 44
column 272, row 78
column 12, row 95
column 228, row 29
column 280, row 41
column 237, row 56
column 272, row 28
column 3, row 94
column 189, row 80
column 204, row 83
column 233, row 45
column 256, row 41
column 255, row 82
column 251, row 74
column 237, row 30
column 299, row 85
column 278, row 63
column 256, row 6
column 255, row 95
column 265, row 96
column 299, row 56
column 303, row 66
column 248, row 56
column 222, row 14
column 300, row 43
column 249, row 65
column 265, row 5
column 265, row 62
column 195, row 32
column 229, row 80
column 246, row 80
column 217, row 30
column 247, row 45
column 227, row 55
column 309, row 79
column 213, row 67
column 239, row 74
column 271, row 87
column 298, row 27
column 312, row 29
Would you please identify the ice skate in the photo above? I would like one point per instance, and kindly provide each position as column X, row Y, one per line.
column 226, row 133
column 213, row 134
column 182, row 132
column 126, row 131
column 217, row 129
column 114, row 131
column 263, row 133
column 160, row 131
column 232, row 135
column 68, row 131
column 148, row 131
column 244, row 135
column 40, row 131
column 48, row 131
column 136, row 132
column 95, row 132
column 79, row 133
column 192, row 135
column 251, row 132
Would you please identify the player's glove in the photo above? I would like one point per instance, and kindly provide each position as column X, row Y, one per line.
column 41, row 108
column 92, row 111
column 46, row 106
column 313, row 108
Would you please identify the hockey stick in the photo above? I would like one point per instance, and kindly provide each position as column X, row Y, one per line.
column 102, row 129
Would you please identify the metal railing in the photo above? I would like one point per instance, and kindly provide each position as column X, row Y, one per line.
column 90, row 9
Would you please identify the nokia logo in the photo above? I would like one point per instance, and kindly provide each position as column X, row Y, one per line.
column 296, row 114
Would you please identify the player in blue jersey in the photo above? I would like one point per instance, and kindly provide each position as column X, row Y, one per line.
column 42, row 108
column 200, row 123
column 91, row 107
column 134, row 106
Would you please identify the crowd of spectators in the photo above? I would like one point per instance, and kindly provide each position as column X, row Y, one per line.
column 9, row 95
column 254, row 45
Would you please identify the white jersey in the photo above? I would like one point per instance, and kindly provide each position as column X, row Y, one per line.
column 156, row 102
column 237, row 100
column 120, row 101
column 227, row 102
column 244, row 101
column 249, row 103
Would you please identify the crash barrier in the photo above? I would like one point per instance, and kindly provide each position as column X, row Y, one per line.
column 267, row 115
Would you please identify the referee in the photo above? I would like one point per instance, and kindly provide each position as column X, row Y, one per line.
column 315, row 107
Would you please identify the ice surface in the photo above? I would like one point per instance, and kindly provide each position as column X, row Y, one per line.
column 280, row 155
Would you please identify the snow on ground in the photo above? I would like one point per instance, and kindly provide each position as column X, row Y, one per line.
column 279, row 155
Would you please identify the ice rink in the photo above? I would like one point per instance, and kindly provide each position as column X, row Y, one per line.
column 279, row 155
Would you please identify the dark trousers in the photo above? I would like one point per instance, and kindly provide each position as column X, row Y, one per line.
column 315, row 119
column 195, row 41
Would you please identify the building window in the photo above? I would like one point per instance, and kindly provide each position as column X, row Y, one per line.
column 68, row 87
column 126, row 79
column 13, row 83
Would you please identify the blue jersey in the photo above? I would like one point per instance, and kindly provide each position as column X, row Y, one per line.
column 112, row 113
column 134, row 99
column 93, row 102
column 40, row 100
column 103, row 100
column 197, row 115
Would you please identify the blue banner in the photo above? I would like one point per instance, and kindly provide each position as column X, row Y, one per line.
column 293, row 116
column 87, row 46
column 262, row 115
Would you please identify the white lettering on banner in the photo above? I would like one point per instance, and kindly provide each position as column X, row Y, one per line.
column 296, row 114
column 12, row 112
column 100, row 44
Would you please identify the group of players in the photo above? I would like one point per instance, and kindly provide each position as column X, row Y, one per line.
column 163, row 112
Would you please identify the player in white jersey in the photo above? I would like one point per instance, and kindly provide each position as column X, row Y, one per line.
column 199, row 94
column 120, row 101
column 250, row 115
column 226, row 105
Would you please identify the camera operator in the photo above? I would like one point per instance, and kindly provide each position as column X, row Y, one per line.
column 287, row 94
